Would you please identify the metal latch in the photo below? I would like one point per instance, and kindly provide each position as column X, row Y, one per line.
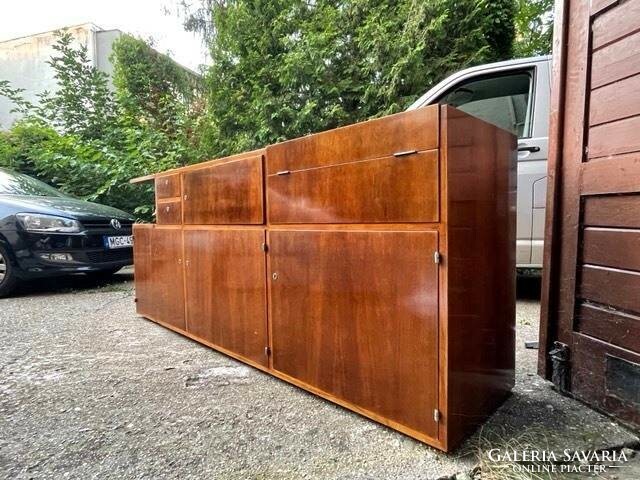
column 436, row 415
column 437, row 258
column 267, row 351
column 406, row 152
column 283, row 172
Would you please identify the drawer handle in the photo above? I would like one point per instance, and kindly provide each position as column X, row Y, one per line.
column 405, row 153
column 284, row 172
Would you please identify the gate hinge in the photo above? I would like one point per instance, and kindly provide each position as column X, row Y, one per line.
column 267, row 351
column 265, row 247
column 437, row 258
column 436, row 415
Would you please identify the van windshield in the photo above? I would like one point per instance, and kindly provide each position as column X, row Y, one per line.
column 12, row 183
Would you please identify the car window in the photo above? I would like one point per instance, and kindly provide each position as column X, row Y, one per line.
column 503, row 100
column 12, row 183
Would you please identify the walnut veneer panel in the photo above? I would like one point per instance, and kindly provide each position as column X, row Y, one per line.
column 168, row 186
column 226, row 290
column 361, row 324
column 389, row 189
column 228, row 193
column 414, row 130
column 158, row 274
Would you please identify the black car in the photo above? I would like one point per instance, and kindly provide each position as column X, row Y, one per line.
column 45, row 233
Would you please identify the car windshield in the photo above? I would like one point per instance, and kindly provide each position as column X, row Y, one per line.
column 12, row 183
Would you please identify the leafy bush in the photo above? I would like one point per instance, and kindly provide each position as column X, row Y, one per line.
column 87, row 141
column 287, row 68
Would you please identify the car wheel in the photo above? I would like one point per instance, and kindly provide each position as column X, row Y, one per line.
column 103, row 274
column 8, row 278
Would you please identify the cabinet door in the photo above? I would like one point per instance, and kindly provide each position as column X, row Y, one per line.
column 382, row 190
column 226, row 290
column 355, row 314
column 229, row 193
column 167, row 277
column 143, row 268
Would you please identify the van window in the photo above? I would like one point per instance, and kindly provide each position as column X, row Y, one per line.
column 502, row 100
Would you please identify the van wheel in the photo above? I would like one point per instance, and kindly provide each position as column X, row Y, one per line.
column 8, row 280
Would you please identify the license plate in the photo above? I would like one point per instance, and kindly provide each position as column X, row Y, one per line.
column 123, row 241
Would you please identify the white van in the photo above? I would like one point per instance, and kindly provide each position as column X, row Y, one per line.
column 513, row 95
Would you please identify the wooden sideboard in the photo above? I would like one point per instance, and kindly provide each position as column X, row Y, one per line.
column 373, row 265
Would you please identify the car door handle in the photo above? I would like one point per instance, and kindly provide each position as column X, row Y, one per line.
column 529, row 149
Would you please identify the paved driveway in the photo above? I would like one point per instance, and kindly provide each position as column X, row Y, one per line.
column 89, row 390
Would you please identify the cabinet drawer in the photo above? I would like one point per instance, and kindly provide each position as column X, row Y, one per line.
column 168, row 186
column 417, row 130
column 385, row 190
column 228, row 193
column 169, row 213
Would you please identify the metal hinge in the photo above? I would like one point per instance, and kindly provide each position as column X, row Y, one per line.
column 436, row 415
column 437, row 258
column 283, row 172
column 406, row 152
column 586, row 150
column 265, row 247
column 267, row 351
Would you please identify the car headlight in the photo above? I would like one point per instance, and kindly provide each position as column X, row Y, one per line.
column 37, row 222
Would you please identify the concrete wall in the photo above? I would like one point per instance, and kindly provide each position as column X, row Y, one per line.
column 23, row 61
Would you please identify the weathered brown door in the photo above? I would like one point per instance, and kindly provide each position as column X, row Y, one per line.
column 226, row 291
column 591, row 299
column 355, row 314
column 166, row 281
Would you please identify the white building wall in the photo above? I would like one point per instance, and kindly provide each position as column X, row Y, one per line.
column 23, row 61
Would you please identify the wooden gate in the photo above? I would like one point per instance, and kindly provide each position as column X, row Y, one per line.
column 590, row 325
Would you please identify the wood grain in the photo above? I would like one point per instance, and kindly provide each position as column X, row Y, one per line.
column 226, row 290
column 357, row 310
column 615, row 101
column 168, row 186
column 413, row 130
column 388, row 189
column 229, row 193
column 614, row 138
column 609, row 325
column 591, row 290
column 609, row 286
column 616, row 61
column 611, row 247
column 143, row 269
column 158, row 265
column 615, row 23
column 169, row 212
column 334, row 317
column 480, row 166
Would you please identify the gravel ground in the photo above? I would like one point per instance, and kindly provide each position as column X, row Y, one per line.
column 89, row 390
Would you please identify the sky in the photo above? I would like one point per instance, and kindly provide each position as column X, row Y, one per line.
column 157, row 19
